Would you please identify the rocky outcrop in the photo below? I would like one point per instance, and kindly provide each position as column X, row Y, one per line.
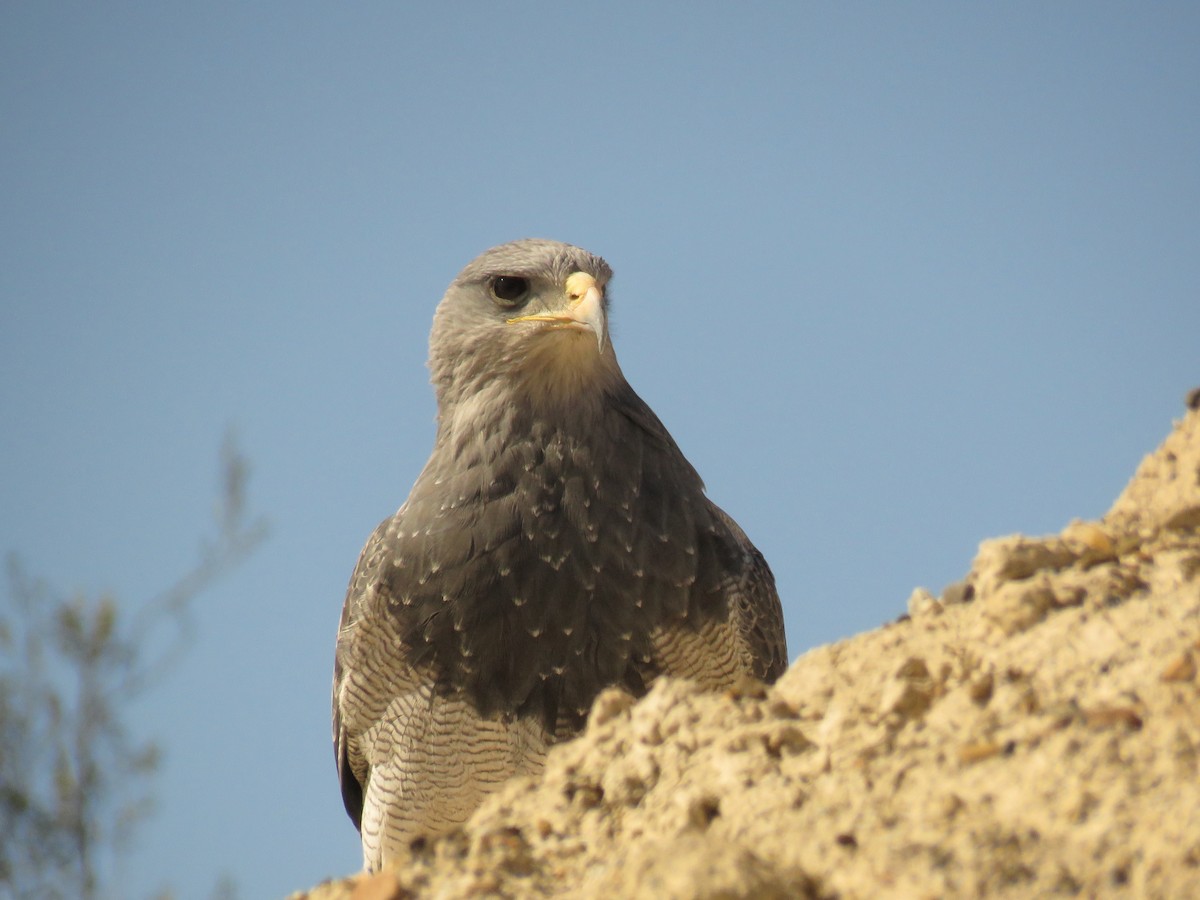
column 1033, row 731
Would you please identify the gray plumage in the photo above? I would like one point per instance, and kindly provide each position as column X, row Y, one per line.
column 556, row 542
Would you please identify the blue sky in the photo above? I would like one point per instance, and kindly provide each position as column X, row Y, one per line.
column 898, row 277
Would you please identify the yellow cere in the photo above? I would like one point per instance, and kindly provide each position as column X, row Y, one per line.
column 578, row 284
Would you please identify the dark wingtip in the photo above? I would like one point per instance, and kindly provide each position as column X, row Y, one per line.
column 352, row 795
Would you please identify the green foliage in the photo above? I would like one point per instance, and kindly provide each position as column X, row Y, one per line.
column 75, row 782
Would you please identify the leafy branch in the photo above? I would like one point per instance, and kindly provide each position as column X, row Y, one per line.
column 74, row 780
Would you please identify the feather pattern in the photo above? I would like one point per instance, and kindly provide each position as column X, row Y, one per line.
column 556, row 543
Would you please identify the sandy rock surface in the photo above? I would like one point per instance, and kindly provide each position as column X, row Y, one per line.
column 1034, row 731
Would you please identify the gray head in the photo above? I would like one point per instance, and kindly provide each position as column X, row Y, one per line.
column 529, row 317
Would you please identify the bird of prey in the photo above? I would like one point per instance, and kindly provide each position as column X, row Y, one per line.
column 557, row 542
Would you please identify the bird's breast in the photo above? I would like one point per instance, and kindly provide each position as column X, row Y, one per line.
column 539, row 571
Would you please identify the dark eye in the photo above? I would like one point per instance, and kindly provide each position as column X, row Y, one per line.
column 510, row 289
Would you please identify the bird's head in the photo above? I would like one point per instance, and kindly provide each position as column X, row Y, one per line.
column 532, row 315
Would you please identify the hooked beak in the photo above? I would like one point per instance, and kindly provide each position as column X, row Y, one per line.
column 584, row 312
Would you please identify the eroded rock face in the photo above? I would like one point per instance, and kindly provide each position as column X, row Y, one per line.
column 1033, row 731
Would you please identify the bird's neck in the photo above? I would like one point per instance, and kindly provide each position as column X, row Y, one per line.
column 550, row 388
column 496, row 412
